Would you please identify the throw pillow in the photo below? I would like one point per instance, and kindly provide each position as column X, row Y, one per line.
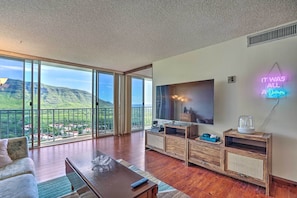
column 4, row 157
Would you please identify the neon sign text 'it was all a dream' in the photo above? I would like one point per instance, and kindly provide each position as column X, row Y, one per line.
column 273, row 86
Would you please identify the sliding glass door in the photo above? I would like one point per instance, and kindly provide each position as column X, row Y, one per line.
column 31, row 105
column 65, row 103
column 104, row 104
column 141, row 111
column 148, row 105
column 19, row 95
column 11, row 97
column 137, row 111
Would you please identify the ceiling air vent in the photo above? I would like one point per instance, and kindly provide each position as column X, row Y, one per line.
column 271, row 35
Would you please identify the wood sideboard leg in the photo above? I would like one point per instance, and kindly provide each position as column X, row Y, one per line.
column 268, row 185
column 155, row 192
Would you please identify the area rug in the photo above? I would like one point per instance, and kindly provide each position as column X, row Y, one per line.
column 61, row 187
column 54, row 188
column 164, row 190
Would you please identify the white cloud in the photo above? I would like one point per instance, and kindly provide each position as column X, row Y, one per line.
column 6, row 67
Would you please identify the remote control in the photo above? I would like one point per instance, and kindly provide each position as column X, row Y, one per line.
column 139, row 182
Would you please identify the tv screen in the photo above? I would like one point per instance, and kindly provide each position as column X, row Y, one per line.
column 187, row 102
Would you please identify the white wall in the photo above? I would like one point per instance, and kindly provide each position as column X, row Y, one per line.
column 232, row 100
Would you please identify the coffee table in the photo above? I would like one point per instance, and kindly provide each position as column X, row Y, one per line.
column 106, row 177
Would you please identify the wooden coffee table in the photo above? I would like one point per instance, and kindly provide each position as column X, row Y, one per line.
column 106, row 177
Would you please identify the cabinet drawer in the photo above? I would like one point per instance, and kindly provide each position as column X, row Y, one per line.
column 155, row 141
column 205, row 153
column 175, row 146
column 246, row 166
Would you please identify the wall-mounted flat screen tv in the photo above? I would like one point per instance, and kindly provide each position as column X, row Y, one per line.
column 187, row 102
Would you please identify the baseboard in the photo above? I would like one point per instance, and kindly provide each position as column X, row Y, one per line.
column 284, row 181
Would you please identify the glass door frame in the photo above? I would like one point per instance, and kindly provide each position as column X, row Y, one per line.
column 27, row 112
column 142, row 104
column 96, row 107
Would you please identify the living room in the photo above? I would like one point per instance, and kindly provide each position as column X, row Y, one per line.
column 229, row 58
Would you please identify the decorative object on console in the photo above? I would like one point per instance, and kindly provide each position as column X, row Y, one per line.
column 246, row 124
column 209, row 137
column 156, row 127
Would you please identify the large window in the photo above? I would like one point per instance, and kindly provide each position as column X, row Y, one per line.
column 65, row 102
column 11, row 97
column 53, row 103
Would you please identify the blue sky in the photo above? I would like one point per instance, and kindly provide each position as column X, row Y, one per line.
column 75, row 79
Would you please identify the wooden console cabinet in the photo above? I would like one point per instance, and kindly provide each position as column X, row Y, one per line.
column 175, row 147
column 176, row 140
column 248, row 157
column 155, row 140
column 173, row 141
column 206, row 154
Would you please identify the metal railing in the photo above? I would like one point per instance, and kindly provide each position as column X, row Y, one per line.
column 58, row 124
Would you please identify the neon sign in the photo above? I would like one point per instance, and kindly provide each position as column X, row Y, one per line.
column 273, row 86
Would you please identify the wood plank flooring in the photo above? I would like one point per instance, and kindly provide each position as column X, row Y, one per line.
column 193, row 180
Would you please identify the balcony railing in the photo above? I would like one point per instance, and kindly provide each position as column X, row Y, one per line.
column 58, row 124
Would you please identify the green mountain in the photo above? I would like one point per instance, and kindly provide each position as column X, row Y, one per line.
column 11, row 96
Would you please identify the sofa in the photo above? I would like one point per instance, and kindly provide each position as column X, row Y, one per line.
column 17, row 170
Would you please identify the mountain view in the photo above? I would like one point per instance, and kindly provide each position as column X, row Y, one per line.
column 11, row 96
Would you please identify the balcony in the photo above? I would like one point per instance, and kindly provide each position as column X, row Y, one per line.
column 66, row 125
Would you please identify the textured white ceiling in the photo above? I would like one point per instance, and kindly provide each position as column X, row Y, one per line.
column 126, row 34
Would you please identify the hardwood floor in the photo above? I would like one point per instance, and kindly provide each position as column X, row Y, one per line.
column 193, row 180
